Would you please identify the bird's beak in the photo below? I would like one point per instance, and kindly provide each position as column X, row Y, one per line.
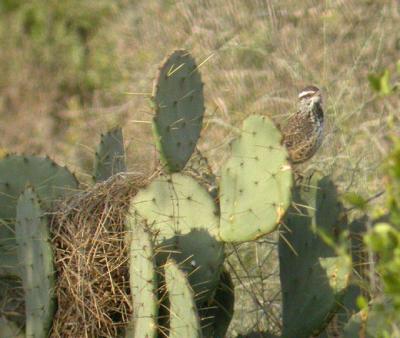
column 316, row 98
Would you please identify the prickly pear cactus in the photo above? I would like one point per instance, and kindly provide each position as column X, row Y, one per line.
column 218, row 312
column 51, row 182
column 110, row 155
column 179, row 108
column 143, row 281
column 256, row 182
column 313, row 276
column 185, row 218
column 36, row 259
column 184, row 319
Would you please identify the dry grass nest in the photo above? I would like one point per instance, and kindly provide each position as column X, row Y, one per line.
column 91, row 260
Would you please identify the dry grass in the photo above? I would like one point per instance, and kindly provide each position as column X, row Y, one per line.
column 255, row 271
column 255, row 56
column 91, row 259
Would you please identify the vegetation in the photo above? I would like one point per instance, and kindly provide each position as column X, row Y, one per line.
column 73, row 70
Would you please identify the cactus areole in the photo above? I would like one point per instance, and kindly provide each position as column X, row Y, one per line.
column 179, row 108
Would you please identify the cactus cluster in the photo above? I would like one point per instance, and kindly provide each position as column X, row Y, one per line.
column 177, row 226
column 184, row 217
column 51, row 183
column 188, row 224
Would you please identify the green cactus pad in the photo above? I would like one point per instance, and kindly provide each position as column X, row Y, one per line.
column 110, row 155
column 36, row 258
column 313, row 276
column 184, row 319
column 218, row 313
column 51, row 182
column 179, row 109
column 258, row 334
column 256, row 182
column 359, row 284
column 143, row 281
column 184, row 217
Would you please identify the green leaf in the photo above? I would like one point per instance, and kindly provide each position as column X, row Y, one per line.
column 355, row 200
column 382, row 238
column 381, row 82
column 362, row 302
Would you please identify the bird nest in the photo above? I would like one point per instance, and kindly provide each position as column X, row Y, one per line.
column 91, row 260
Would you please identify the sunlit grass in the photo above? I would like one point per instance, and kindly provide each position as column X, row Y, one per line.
column 254, row 57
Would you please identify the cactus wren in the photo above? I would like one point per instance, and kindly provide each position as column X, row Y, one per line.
column 302, row 134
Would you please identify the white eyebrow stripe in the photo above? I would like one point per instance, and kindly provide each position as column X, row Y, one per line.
column 306, row 93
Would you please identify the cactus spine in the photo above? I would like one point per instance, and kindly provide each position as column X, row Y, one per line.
column 218, row 313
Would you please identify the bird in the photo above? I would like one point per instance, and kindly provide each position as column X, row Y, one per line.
column 303, row 132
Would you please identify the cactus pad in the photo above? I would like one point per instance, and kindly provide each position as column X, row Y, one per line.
column 184, row 216
column 313, row 276
column 143, row 281
column 184, row 319
column 218, row 313
column 36, row 259
column 110, row 155
column 255, row 182
column 51, row 182
column 49, row 179
column 179, row 109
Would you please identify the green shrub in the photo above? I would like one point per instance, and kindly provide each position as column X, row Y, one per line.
column 63, row 37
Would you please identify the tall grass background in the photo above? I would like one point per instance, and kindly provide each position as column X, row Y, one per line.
column 70, row 70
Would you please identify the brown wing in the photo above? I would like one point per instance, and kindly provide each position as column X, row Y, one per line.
column 298, row 129
column 299, row 137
